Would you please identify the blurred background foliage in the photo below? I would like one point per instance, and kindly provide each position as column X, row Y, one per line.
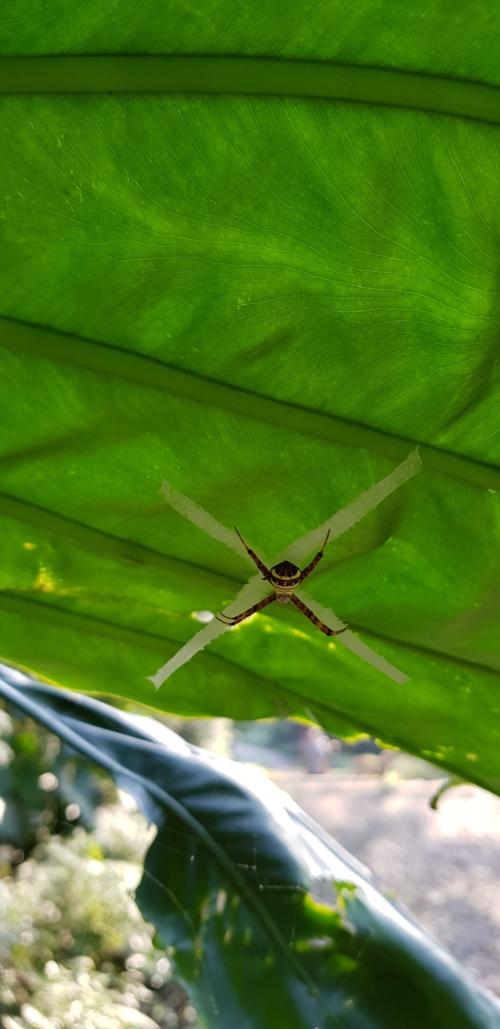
column 74, row 948
column 44, row 788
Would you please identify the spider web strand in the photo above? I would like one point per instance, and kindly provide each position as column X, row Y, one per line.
column 365, row 502
column 252, row 591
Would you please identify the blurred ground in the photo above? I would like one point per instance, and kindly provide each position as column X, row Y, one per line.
column 444, row 865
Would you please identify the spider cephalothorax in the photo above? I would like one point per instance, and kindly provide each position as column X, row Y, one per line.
column 284, row 578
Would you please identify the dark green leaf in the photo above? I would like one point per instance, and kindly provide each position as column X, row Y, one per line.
column 239, row 885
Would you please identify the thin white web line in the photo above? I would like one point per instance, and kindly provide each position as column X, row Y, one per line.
column 252, row 591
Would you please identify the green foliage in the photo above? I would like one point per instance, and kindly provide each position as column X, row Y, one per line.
column 267, row 301
column 74, row 949
column 43, row 787
column 238, row 882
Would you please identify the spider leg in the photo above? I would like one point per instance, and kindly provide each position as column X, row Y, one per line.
column 316, row 621
column 260, row 565
column 234, row 619
column 312, row 564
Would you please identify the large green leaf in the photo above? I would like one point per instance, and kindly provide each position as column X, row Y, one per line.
column 238, row 882
column 266, row 300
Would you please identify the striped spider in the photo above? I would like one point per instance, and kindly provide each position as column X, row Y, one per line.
column 284, row 578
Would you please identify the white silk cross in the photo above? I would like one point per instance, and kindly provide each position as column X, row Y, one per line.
column 251, row 592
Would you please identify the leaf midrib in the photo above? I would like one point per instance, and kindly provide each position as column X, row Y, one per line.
column 103, row 358
column 254, row 75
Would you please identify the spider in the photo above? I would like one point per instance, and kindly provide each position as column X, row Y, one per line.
column 284, row 578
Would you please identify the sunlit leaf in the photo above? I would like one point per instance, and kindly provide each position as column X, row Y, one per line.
column 266, row 300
